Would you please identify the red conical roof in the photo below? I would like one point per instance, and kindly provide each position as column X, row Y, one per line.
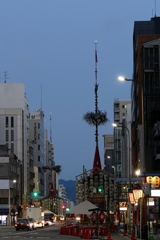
column 97, row 161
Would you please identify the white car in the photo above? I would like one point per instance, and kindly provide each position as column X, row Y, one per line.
column 40, row 223
column 49, row 223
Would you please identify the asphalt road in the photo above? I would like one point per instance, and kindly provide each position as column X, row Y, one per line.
column 46, row 233
column 49, row 233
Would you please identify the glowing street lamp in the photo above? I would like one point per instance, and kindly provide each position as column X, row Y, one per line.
column 122, row 79
column 138, row 172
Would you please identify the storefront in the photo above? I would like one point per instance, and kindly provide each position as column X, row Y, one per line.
column 3, row 215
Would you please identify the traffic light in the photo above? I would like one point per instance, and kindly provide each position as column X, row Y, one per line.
column 35, row 194
column 100, row 190
column 67, row 209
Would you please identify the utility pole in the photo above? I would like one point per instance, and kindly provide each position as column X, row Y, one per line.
column 108, row 198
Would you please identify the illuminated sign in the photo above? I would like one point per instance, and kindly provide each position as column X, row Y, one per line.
column 155, row 193
column 154, row 181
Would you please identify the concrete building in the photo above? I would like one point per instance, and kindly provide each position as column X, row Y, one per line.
column 50, row 175
column 145, row 95
column 10, row 185
column 127, row 167
column 14, row 115
column 119, row 114
column 63, row 193
column 109, row 153
column 36, row 134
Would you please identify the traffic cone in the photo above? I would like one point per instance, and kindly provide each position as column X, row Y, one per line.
column 151, row 235
column 88, row 234
column 132, row 236
column 109, row 235
column 124, row 232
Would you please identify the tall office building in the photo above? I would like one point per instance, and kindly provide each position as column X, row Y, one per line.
column 119, row 114
column 146, row 96
column 36, row 134
column 14, row 125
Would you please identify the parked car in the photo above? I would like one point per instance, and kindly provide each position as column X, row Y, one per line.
column 25, row 223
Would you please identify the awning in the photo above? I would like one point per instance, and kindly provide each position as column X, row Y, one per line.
column 4, row 211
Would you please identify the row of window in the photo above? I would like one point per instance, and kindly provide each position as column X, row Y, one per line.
column 10, row 146
column 13, row 168
column 9, row 122
column 11, row 135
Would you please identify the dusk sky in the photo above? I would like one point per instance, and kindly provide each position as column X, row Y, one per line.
column 50, row 43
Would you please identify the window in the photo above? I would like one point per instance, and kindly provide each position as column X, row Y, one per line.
column 7, row 137
column 39, row 147
column 38, row 125
column 12, row 121
column 38, row 158
column 12, row 147
column 12, row 135
column 3, row 200
column 6, row 122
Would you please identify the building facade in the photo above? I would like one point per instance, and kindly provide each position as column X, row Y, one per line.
column 14, row 115
column 36, row 134
column 109, row 165
column 119, row 109
column 127, row 167
column 145, row 94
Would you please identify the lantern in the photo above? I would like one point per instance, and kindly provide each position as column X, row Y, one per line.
column 137, row 194
column 94, row 217
column 131, row 198
column 101, row 217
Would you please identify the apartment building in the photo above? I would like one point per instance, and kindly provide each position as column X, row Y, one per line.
column 119, row 114
column 145, row 96
column 36, row 134
column 14, row 124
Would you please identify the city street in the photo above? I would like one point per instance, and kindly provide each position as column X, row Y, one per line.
column 8, row 232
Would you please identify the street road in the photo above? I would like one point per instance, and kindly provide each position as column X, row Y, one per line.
column 48, row 233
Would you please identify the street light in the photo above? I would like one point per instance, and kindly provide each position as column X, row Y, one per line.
column 129, row 180
column 122, row 79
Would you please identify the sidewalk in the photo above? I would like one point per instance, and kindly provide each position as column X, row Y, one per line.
column 156, row 237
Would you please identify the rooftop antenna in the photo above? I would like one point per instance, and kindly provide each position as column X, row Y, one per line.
column 155, row 7
column 50, row 127
column 41, row 96
column 5, row 76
